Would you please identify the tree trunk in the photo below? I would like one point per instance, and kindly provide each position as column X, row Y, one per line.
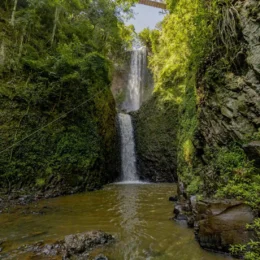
column 21, row 45
column 56, row 20
column 2, row 53
column 13, row 12
column 16, row 132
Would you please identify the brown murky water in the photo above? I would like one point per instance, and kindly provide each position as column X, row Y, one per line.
column 137, row 214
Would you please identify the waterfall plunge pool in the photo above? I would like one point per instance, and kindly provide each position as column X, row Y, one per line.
column 138, row 215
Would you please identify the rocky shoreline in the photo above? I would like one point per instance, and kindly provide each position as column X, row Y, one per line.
column 217, row 224
column 16, row 199
column 9, row 202
column 77, row 246
column 24, row 197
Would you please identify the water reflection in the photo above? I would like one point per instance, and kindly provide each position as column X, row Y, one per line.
column 138, row 215
column 130, row 222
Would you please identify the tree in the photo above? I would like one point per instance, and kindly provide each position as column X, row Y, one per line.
column 13, row 12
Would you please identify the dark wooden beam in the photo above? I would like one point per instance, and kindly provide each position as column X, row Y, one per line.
column 153, row 4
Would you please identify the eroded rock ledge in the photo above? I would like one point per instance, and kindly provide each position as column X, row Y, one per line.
column 217, row 223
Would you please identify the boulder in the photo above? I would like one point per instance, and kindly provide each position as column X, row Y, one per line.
column 1, row 245
column 76, row 246
column 173, row 198
column 85, row 242
column 219, row 224
column 183, row 212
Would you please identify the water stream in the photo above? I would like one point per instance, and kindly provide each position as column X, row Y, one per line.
column 137, row 79
column 132, row 102
column 128, row 156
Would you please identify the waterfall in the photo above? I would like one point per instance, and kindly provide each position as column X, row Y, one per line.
column 135, row 94
column 128, row 158
column 136, row 80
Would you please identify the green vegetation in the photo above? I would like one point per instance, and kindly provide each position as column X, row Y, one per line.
column 191, row 58
column 237, row 176
column 250, row 251
column 198, row 58
column 191, row 53
column 155, row 131
column 56, row 62
column 177, row 52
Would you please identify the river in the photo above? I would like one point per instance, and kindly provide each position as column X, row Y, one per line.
column 138, row 215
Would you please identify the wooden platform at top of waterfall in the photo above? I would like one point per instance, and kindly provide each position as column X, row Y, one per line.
column 154, row 3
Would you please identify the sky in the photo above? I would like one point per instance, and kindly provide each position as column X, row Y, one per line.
column 145, row 16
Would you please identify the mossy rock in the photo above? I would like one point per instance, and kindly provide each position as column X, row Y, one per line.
column 155, row 132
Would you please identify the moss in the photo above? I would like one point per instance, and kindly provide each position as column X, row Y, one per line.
column 251, row 250
column 75, row 151
column 120, row 97
column 195, row 186
column 156, row 128
column 188, row 126
column 188, row 151
column 61, row 89
column 40, row 182
column 237, row 176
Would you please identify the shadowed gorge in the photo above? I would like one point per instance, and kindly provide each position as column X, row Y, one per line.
column 205, row 60
column 118, row 145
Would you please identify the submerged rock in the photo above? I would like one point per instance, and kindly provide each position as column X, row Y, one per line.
column 45, row 250
column 76, row 246
column 1, row 245
column 173, row 198
column 219, row 224
column 81, row 244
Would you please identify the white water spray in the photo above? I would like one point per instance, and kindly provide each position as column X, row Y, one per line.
column 134, row 96
column 136, row 80
column 128, row 157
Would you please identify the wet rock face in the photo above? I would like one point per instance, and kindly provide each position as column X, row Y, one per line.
column 120, row 79
column 219, row 224
column 155, row 133
column 228, row 114
column 231, row 105
column 183, row 212
column 134, row 62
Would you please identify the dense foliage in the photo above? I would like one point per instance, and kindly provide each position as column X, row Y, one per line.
column 199, row 45
column 196, row 46
column 177, row 51
column 250, row 251
column 199, row 52
column 155, row 136
column 56, row 62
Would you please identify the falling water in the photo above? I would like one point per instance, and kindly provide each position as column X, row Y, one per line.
column 134, row 97
column 128, row 158
column 136, row 80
